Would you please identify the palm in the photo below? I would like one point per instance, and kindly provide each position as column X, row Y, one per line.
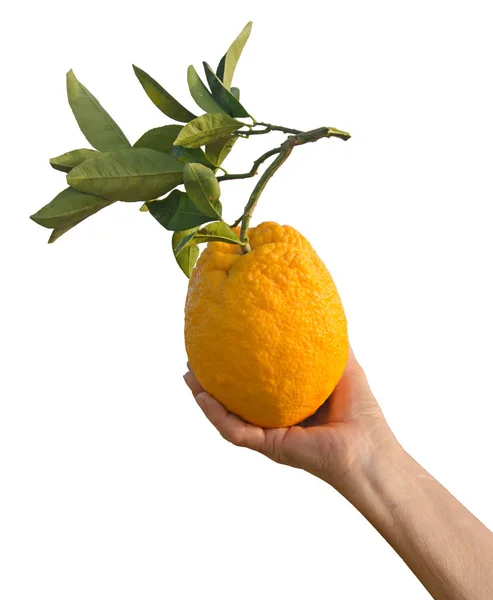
column 327, row 441
column 325, row 444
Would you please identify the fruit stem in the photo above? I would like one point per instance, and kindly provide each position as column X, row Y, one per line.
column 283, row 153
column 258, row 189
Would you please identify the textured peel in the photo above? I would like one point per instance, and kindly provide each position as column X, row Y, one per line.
column 266, row 332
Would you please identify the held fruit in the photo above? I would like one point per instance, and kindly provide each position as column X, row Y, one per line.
column 266, row 332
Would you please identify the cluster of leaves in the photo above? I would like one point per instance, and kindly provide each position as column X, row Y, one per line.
column 188, row 154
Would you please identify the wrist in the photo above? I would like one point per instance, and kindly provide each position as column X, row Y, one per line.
column 381, row 464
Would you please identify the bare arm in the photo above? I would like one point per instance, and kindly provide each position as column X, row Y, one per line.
column 349, row 444
column 446, row 547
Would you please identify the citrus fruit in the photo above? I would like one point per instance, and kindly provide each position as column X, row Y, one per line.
column 265, row 332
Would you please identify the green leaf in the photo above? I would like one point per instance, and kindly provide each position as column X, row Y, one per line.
column 218, row 151
column 207, row 129
column 216, row 86
column 59, row 231
column 177, row 212
column 223, row 96
column 187, row 258
column 69, row 206
column 94, row 122
column 236, row 92
column 162, row 99
column 186, row 241
column 215, row 232
column 187, row 155
column 220, row 68
column 203, row 189
column 227, row 66
column 201, row 94
column 144, row 208
column 69, row 160
column 159, row 138
column 128, row 175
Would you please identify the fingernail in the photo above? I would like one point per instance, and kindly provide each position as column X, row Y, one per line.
column 186, row 377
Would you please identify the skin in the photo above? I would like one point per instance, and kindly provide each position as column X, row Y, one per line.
column 349, row 445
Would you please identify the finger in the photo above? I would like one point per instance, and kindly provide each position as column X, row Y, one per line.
column 353, row 366
column 192, row 383
column 232, row 428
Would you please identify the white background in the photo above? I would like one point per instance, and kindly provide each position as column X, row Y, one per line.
column 113, row 484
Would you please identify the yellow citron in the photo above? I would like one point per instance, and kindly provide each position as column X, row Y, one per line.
column 265, row 332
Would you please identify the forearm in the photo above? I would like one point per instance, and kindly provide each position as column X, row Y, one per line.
column 448, row 549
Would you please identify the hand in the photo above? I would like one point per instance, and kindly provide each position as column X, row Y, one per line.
column 348, row 443
column 335, row 443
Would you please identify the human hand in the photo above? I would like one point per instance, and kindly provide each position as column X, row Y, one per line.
column 348, row 444
column 335, row 444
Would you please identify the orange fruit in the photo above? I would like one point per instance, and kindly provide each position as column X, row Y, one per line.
column 265, row 332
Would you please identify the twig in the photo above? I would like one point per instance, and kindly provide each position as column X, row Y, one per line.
column 280, row 128
column 284, row 151
column 253, row 170
column 268, row 127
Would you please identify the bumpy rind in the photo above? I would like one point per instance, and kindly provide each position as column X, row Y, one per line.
column 266, row 332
